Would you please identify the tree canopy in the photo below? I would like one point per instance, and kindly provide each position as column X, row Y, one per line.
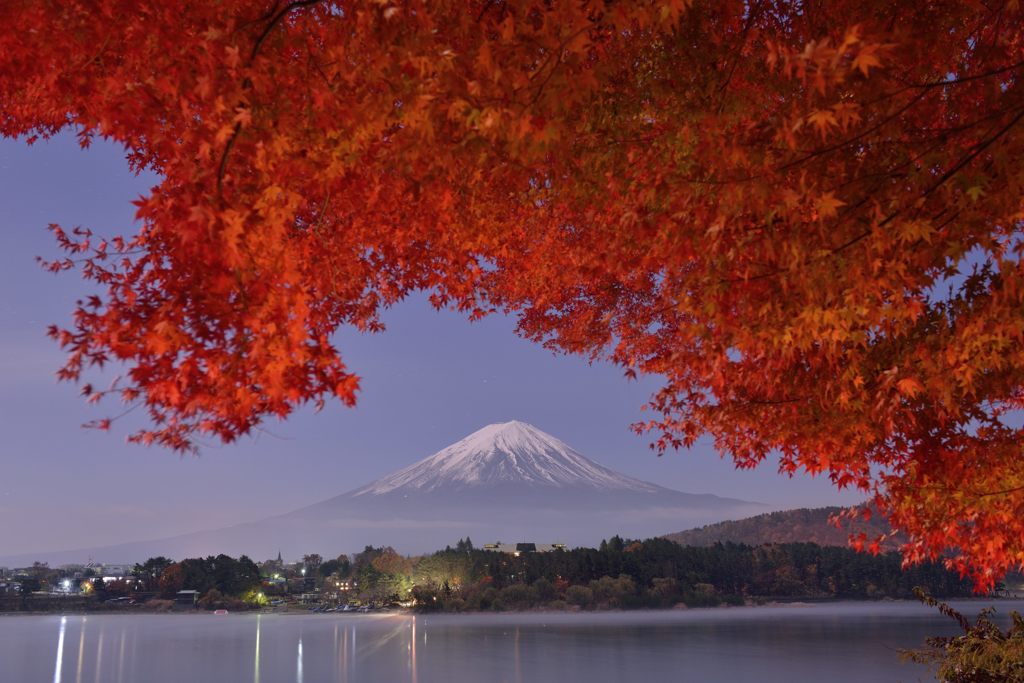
column 805, row 218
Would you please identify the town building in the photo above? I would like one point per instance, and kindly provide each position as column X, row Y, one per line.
column 518, row 549
column 115, row 570
column 186, row 598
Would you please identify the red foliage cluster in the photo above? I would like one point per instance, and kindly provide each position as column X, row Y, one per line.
column 806, row 219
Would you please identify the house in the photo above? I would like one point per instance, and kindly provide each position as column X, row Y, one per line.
column 187, row 598
column 114, row 570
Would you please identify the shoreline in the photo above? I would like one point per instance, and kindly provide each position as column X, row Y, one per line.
column 795, row 603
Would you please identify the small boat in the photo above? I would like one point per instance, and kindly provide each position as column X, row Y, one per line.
column 220, row 611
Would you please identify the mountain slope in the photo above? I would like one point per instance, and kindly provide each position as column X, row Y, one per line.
column 787, row 526
column 512, row 468
column 506, row 453
column 507, row 482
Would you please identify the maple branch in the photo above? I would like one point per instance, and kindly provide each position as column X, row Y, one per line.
column 264, row 17
column 751, row 17
column 95, row 56
column 483, row 10
column 859, row 136
column 103, row 424
column 966, row 79
column 981, row 147
column 976, row 494
column 275, row 20
column 1015, row 489
column 557, row 54
column 771, row 402
column 224, row 158
column 956, row 168
column 247, row 83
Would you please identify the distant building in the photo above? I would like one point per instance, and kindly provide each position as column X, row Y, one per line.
column 273, row 566
column 189, row 598
column 116, row 570
column 74, row 571
column 518, row 549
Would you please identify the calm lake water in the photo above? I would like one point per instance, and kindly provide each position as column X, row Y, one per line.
column 835, row 642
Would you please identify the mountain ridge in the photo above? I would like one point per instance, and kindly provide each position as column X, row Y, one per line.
column 505, row 452
column 799, row 525
column 507, row 481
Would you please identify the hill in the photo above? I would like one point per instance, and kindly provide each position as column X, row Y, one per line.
column 787, row 526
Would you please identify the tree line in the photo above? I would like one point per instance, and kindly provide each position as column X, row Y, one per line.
column 660, row 573
column 618, row 574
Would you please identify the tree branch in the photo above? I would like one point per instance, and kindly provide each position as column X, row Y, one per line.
column 247, row 83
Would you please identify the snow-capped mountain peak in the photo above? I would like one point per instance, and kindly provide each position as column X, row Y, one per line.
column 506, row 453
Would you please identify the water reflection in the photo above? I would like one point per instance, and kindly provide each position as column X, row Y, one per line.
column 839, row 643
column 518, row 669
column 99, row 656
column 256, row 664
column 81, row 652
column 60, row 650
column 120, row 659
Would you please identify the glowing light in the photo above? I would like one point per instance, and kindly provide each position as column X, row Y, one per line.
column 60, row 650
column 256, row 665
column 412, row 658
column 298, row 663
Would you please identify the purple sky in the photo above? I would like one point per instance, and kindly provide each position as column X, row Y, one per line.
column 429, row 380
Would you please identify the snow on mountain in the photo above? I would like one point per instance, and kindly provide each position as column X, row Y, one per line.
column 507, row 481
column 502, row 454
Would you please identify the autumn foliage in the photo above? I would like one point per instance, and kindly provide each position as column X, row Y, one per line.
column 805, row 217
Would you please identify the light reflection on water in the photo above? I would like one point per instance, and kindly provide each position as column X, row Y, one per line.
column 256, row 664
column 81, row 652
column 99, row 652
column 841, row 642
column 60, row 650
column 412, row 652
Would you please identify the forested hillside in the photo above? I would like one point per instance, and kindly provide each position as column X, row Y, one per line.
column 788, row 526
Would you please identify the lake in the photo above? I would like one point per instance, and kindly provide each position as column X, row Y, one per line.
column 834, row 642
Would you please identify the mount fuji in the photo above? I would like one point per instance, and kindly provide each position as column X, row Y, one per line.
column 509, row 454
column 506, row 482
